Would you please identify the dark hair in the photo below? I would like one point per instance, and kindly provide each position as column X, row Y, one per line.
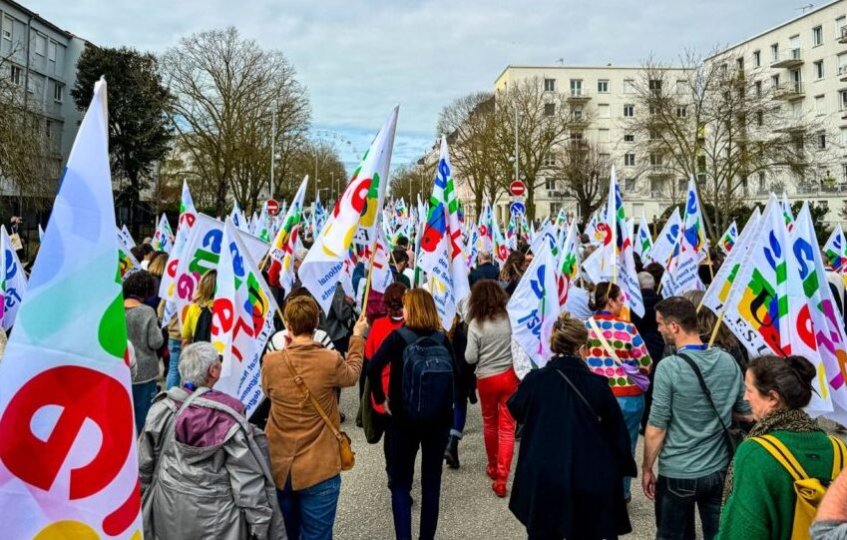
column 604, row 292
column 791, row 378
column 402, row 241
column 392, row 299
column 513, row 267
column 399, row 255
column 141, row 251
column 569, row 334
column 681, row 311
column 656, row 270
column 487, row 302
column 139, row 285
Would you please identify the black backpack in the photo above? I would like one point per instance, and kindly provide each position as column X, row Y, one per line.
column 427, row 377
column 203, row 330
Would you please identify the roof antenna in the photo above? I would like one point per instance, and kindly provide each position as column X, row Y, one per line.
column 561, row 61
column 807, row 7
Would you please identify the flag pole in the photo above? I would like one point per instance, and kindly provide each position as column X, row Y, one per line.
column 716, row 328
column 368, row 282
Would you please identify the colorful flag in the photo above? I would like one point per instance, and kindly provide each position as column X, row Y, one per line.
column 163, row 238
column 356, row 209
column 718, row 292
column 238, row 218
column 442, row 248
column 501, row 247
column 243, row 320
column 666, row 242
column 534, row 308
column 126, row 238
column 728, row 239
column 13, row 283
column 282, row 249
column 167, row 283
column 68, row 465
column 786, row 212
column 692, row 247
column 835, row 249
column 623, row 261
column 644, row 242
column 381, row 276
column 569, row 263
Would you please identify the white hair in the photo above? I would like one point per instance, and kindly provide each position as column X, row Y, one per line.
column 645, row 281
column 300, row 254
column 484, row 255
column 195, row 361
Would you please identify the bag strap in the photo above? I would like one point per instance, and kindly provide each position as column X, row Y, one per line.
column 594, row 414
column 298, row 380
column 606, row 345
column 839, row 451
column 688, row 360
column 783, row 455
column 169, row 433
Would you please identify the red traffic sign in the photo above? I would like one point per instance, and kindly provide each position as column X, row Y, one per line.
column 517, row 188
column 273, row 207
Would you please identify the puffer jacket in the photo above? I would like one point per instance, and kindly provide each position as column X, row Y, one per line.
column 204, row 473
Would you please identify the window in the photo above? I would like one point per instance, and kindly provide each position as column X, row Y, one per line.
column 550, row 183
column 604, row 111
column 628, row 111
column 757, row 58
column 7, row 28
column 844, row 172
column 819, row 70
column 656, row 160
column 760, row 118
column 40, row 45
column 820, row 105
column 682, row 111
column 739, row 63
column 681, row 185
column 48, row 129
column 576, row 87
column 629, row 184
column 840, row 27
column 58, row 92
column 576, row 136
column 603, row 86
column 629, row 159
column 576, row 115
column 549, row 109
column 843, row 140
column 681, row 87
column 775, row 81
column 842, row 102
column 549, row 85
column 657, row 186
column 758, row 85
column 821, row 139
column 629, row 86
column 51, row 51
column 548, row 160
column 603, row 158
column 842, row 64
column 775, row 52
column 16, row 75
column 629, row 137
column 655, row 86
column 604, row 135
column 655, row 134
column 763, row 187
column 817, row 36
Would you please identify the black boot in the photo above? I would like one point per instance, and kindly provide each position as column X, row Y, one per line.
column 451, row 454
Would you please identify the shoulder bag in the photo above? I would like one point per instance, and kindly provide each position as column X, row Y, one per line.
column 345, row 449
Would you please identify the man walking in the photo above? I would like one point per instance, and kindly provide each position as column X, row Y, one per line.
column 685, row 430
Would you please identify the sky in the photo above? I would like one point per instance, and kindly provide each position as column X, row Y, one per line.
column 360, row 58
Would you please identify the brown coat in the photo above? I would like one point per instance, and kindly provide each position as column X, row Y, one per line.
column 300, row 442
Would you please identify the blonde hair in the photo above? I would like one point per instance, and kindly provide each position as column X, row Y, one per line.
column 301, row 316
column 421, row 314
column 569, row 334
column 158, row 264
column 205, row 291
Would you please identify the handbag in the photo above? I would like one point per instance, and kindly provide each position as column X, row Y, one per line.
column 732, row 437
column 640, row 380
column 345, row 449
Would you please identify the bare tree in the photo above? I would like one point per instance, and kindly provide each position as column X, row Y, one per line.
column 226, row 90
column 540, row 121
column 322, row 162
column 470, row 126
column 722, row 124
column 582, row 172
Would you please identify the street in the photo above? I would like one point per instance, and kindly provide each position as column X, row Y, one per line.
column 469, row 509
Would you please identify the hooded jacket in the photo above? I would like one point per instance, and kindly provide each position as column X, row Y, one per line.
column 203, row 474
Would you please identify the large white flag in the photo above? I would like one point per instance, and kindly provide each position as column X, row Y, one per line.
column 68, row 462
column 285, row 241
column 243, row 320
column 14, row 280
column 667, row 240
column 356, row 210
column 163, row 239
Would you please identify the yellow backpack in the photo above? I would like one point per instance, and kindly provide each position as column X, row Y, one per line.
column 809, row 491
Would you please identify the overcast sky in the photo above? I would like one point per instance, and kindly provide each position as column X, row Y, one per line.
column 358, row 58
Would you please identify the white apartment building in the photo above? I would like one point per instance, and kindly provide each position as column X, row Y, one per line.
column 608, row 97
column 804, row 61
column 41, row 57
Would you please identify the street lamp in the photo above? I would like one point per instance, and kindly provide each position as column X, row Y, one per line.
column 273, row 146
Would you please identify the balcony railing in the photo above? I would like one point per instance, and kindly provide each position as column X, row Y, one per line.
column 788, row 59
column 576, row 94
column 790, row 90
column 842, row 38
column 842, row 73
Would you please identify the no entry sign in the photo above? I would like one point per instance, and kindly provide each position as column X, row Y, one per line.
column 517, row 188
column 273, row 207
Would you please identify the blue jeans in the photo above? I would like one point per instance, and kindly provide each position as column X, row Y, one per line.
column 142, row 398
column 632, row 408
column 309, row 513
column 174, row 347
column 675, row 500
column 460, row 416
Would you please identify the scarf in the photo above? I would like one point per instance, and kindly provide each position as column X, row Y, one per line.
column 795, row 420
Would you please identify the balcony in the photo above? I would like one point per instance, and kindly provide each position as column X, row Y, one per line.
column 790, row 91
column 842, row 38
column 842, row 73
column 578, row 96
column 790, row 59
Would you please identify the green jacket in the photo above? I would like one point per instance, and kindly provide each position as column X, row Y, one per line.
column 762, row 501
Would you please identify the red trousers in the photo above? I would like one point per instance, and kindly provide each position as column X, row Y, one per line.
column 497, row 423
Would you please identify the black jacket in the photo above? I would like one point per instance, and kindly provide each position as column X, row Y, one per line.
column 483, row 271
column 568, row 481
column 647, row 327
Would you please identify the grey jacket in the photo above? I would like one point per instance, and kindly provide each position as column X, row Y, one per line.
column 203, row 471
column 145, row 334
column 489, row 346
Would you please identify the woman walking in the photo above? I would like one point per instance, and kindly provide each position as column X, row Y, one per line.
column 304, row 450
column 575, row 447
column 197, row 322
column 420, row 399
column 617, row 352
column 489, row 339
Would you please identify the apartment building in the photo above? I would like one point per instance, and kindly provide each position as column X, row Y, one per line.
column 804, row 63
column 41, row 58
column 607, row 97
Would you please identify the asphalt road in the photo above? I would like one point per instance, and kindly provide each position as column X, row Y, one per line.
column 469, row 509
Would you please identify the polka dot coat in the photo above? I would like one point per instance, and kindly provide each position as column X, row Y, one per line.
column 629, row 347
